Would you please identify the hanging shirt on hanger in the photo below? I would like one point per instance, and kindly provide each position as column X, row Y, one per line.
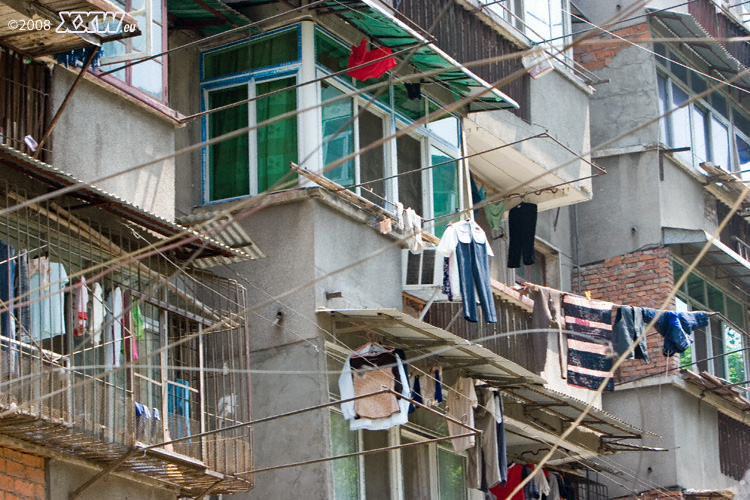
column 460, row 402
column 47, row 283
column 468, row 242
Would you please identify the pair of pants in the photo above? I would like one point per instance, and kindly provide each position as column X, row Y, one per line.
column 521, row 232
column 474, row 271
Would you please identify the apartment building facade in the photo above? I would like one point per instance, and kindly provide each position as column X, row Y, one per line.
column 676, row 166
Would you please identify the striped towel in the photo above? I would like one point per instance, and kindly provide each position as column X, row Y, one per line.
column 588, row 357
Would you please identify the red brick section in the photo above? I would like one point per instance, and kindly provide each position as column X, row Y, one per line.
column 21, row 476
column 641, row 279
column 598, row 51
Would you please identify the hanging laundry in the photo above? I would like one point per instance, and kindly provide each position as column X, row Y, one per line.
column 521, row 233
column 477, row 194
column 548, row 313
column 384, row 226
column 627, row 328
column 589, row 356
column 47, row 283
column 461, row 401
column 81, row 304
column 554, row 486
column 360, row 55
column 676, row 327
column 97, row 314
column 531, row 490
column 469, row 243
column 413, row 229
column 23, row 307
column 138, row 327
column 494, row 213
column 413, row 90
column 113, row 330
column 384, row 366
column 484, row 469
column 515, row 476
column 8, row 266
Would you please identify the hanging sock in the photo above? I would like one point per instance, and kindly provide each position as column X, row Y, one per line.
column 361, row 55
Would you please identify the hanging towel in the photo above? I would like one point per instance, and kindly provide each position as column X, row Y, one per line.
column 97, row 314
column 589, row 357
column 81, row 301
column 494, row 213
column 676, row 328
column 461, row 402
column 361, row 55
column 413, row 229
column 548, row 313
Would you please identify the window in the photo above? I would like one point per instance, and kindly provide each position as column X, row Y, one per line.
column 717, row 348
column 258, row 75
column 148, row 76
column 420, row 169
column 706, row 126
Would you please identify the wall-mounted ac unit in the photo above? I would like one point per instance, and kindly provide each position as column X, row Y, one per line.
column 423, row 270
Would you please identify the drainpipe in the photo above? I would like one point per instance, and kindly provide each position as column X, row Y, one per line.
column 576, row 254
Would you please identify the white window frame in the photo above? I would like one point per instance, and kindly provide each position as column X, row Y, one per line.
column 146, row 31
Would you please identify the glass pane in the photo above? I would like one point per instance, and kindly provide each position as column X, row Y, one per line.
column 338, row 142
column 451, row 475
column 411, row 108
column 416, row 472
column 330, row 53
column 372, row 162
column 717, row 344
column 720, row 144
column 680, row 123
column 736, row 312
column 700, row 129
column 156, row 10
column 678, row 270
column 147, row 76
column 696, row 289
column 229, row 166
column 410, row 190
column 277, row 142
column 345, row 470
column 663, row 108
column 715, row 299
column 719, row 102
column 377, row 466
column 698, row 84
column 735, row 360
column 444, row 188
column 740, row 122
column 743, row 154
column 273, row 50
column 381, row 89
column 447, row 129
column 139, row 42
column 537, row 21
column 678, row 70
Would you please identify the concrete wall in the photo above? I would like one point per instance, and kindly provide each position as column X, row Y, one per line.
column 64, row 478
column 688, row 429
column 185, row 97
column 625, row 213
column 101, row 133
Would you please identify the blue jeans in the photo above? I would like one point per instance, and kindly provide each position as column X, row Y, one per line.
column 474, row 271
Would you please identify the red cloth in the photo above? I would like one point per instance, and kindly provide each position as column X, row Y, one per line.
column 514, row 479
column 361, row 55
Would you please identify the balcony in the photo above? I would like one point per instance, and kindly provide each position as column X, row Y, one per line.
column 160, row 387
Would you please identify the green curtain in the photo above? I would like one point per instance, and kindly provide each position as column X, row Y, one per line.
column 277, row 142
column 229, row 167
column 268, row 51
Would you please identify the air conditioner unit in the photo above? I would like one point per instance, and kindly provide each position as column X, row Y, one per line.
column 423, row 270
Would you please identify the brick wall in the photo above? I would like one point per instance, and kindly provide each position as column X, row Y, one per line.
column 598, row 51
column 641, row 279
column 21, row 476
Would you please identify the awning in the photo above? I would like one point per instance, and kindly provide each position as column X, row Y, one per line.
column 719, row 258
column 433, row 343
column 535, row 415
column 209, row 247
column 42, row 42
column 205, row 16
column 388, row 30
column 527, row 165
column 684, row 25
